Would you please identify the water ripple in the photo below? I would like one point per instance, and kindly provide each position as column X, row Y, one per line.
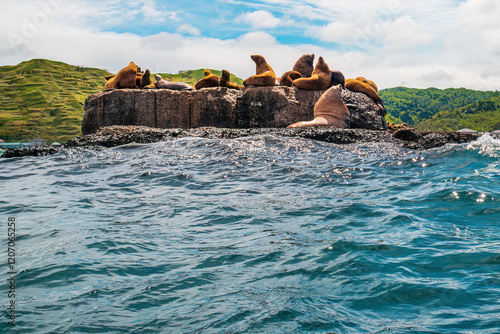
column 257, row 235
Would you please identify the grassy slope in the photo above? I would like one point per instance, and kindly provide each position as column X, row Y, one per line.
column 192, row 76
column 42, row 98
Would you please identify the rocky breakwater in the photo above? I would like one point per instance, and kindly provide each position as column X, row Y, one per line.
column 261, row 107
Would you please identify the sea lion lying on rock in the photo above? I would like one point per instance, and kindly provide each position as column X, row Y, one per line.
column 369, row 82
column 288, row 77
column 209, row 80
column 225, row 81
column 125, row 78
column 366, row 87
column 320, row 79
column 164, row 84
column 264, row 74
column 330, row 110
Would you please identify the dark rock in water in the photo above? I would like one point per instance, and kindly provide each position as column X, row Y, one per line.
column 260, row 107
column 412, row 139
column 29, row 151
column 122, row 135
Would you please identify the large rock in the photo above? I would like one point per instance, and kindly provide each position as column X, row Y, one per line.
column 262, row 107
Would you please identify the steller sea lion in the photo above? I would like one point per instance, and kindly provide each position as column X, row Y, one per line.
column 303, row 68
column 320, row 78
column 288, row 77
column 162, row 83
column 355, row 85
column 145, row 82
column 125, row 78
column 369, row 82
column 366, row 87
column 209, row 80
column 330, row 110
column 305, row 65
column 337, row 79
column 264, row 74
column 225, row 81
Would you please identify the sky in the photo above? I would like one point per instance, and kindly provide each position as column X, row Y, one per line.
column 420, row 44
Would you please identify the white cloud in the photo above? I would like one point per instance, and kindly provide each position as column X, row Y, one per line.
column 189, row 29
column 479, row 14
column 440, row 44
column 260, row 19
column 404, row 33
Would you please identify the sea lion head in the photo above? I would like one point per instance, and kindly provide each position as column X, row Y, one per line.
column 207, row 72
column 322, row 65
column 308, row 59
column 257, row 59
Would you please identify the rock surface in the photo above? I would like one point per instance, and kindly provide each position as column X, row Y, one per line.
column 260, row 107
column 406, row 138
column 121, row 135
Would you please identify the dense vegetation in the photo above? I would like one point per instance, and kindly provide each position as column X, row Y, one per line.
column 43, row 98
column 414, row 106
column 483, row 116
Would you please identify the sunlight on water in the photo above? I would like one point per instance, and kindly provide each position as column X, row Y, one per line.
column 261, row 234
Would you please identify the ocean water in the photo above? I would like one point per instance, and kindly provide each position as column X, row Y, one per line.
column 254, row 235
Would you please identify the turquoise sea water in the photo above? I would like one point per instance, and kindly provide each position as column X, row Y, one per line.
column 254, row 235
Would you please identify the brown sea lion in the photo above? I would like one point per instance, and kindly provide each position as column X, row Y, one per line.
column 264, row 74
column 337, row 79
column 288, row 77
column 125, row 78
column 369, row 82
column 330, row 110
column 320, row 78
column 162, row 83
column 225, row 81
column 209, row 80
column 355, row 85
column 146, row 82
column 305, row 65
column 303, row 68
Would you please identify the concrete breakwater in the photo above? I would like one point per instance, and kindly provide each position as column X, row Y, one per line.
column 261, row 107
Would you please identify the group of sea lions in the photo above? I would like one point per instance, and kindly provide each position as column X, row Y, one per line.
column 329, row 110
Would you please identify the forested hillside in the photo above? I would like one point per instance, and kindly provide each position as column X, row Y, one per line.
column 483, row 116
column 413, row 106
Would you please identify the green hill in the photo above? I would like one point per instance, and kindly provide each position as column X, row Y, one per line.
column 413, row 106
column 43, row 98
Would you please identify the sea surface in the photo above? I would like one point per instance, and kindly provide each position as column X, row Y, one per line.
column 259, row 234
